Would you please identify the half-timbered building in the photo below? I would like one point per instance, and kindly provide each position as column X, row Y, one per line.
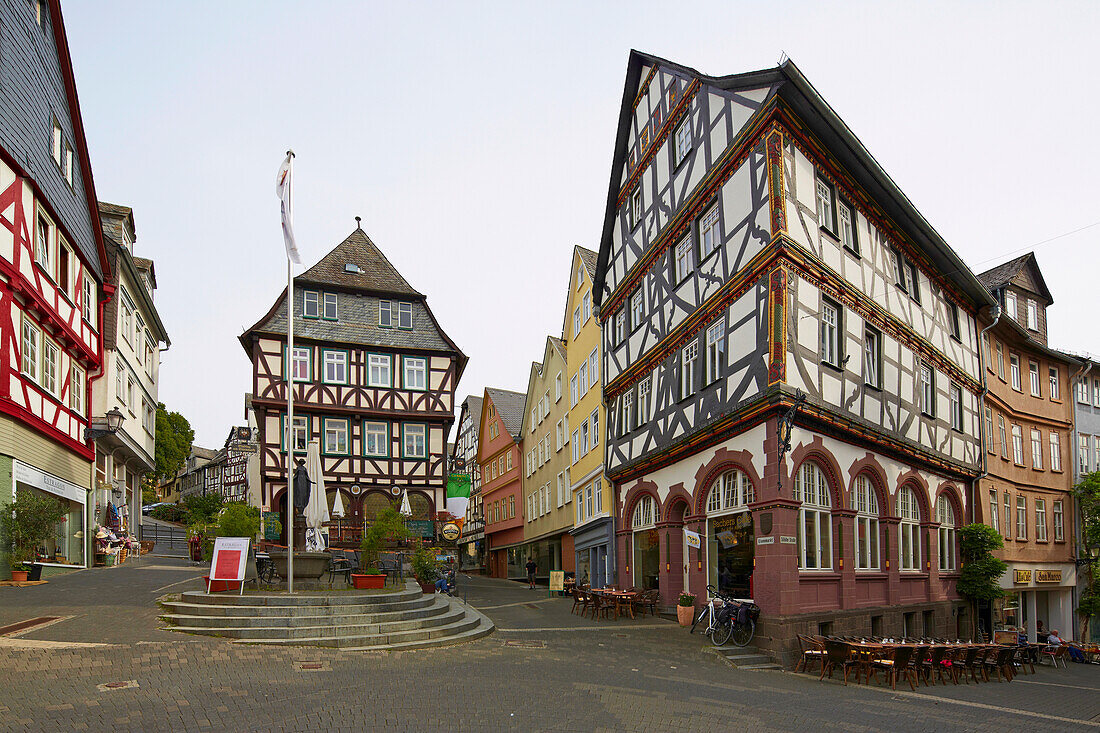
column 499, row 453
column 374, row 379
column 752, row 248
column 464, row 457
column 52, row 270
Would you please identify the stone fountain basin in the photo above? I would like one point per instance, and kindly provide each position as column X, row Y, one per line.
column 306, row 564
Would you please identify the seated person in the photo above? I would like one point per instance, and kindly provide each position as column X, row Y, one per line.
column 1041, row 634
column 1053, row 639
column 445, row 583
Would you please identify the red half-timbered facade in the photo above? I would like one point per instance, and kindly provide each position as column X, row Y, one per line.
column 374, row 379
column 52, row 270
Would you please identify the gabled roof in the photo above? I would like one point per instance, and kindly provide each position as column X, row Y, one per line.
column 589, row 258
column 357, row 305
column 510, row 406
column 787, row 83
column 558, row 344
column 115, row 220
column 376, row 274
column 1003, row 274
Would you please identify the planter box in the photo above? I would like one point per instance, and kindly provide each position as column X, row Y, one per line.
column 19, row 576
column 684, row 615
column 427, row 587
column 368, row 582
column 220, row 586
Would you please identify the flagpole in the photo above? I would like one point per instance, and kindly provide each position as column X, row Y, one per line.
column 290, row 425
column 290, row 395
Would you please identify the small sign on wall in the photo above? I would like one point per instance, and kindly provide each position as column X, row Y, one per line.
column 787, row 540
column 693, row 539
column 765, row 540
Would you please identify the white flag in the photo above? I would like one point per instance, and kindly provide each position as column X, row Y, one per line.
column 282, row 190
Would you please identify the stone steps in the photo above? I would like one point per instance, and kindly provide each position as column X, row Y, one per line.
column 192, row 615
column 405, row 619
column 747, row 657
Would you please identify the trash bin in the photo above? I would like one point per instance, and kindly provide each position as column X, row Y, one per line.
column 36, row 571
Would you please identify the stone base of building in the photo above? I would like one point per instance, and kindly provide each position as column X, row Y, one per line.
column 777, row 637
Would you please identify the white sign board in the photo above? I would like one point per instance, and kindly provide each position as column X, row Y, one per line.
column 765, row 540
column 47, row 482
column 230, row 556
column 693, row 539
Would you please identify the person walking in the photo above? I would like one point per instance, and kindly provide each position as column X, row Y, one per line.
column 531, row 568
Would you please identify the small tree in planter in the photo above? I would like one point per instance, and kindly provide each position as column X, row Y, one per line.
column 28, row 521
column 426, row 569
column 980, row 570
column 388, row 526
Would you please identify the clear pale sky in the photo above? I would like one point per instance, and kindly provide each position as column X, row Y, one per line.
column 475, row 140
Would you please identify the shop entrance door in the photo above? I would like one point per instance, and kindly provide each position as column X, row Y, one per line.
column 731, row 548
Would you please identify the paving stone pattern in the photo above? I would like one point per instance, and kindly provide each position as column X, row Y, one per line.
column 640, row 675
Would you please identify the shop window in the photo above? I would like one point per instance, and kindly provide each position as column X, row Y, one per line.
column 815, row 547
column 908, row 530
column 876, row 626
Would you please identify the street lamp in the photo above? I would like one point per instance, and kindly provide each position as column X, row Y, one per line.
column 114, row 422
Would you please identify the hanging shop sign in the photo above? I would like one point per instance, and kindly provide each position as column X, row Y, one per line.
column 1048, row 576
column 1023, row 576
column 451, row 531
column 693, row 539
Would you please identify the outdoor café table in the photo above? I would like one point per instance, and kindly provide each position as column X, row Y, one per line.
column 619, row 596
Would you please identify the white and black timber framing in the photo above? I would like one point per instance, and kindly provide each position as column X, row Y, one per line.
column 713, row 233
column 364, row 477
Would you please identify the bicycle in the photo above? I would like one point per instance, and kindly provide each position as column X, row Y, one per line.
column 735, row 618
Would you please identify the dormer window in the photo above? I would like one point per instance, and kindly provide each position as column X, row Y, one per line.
column 1032, row 315
column 311, row 305
column 1011, row 308
column 392, row 314
column 330, row 307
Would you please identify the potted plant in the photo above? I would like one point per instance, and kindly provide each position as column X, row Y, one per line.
column 370, row 579
column 685, row 608
column 425, row 569
column 388, row 526
column 27, row 522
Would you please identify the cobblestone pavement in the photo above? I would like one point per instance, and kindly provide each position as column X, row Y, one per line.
column 543, row 669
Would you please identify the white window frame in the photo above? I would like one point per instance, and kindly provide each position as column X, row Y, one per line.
column 1012, row 306
column 826, row 203
column 1033, row 378
column 301, row 368
column 383, row 363
column 1021, row 517
column 1040, row 520
column 909, row 531
column 88, row 304
column 956, row 407
column 51, row 362
column 29, row 348
column 1032, row 315
column 945, row 515
column 1055, row 452
column 594, row 418
column 337, row 430
column 330, row 304
column 376, row 439
column 335, row 366
column 689, row 357
column 416, row 436
column 1014, row 370
column 557, row 388
column 637, row 308
column 642, row 413
column 576, row 322
column 815, row 530
column 683, row 141
column 626, row 412
column 710, row 236
column 867, row 540
column 1058, row 516
column 872, row 357
column 830, row 333
column 1017, row 445
column 620, row 326
column 994, row 520
column 1055, row 387
column 846, row 226
column 637, row 205
column 415, row 375
column 716, row 350
column 1036, row 449
column 77, row 380
column 682, row 254
column 927, row 389
column 311, row 304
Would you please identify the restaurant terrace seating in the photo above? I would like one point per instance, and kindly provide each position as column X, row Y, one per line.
column 899, row 665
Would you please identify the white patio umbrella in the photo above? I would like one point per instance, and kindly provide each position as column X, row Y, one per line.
column 406, row 510
column 316, row 512
column 337, row 506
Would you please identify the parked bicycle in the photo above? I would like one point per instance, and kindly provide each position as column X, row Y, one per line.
column 727, row 618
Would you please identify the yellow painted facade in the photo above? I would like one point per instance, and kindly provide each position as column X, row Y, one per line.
column 587, row 416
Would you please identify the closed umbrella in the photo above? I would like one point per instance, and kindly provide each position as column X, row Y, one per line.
column 338, row 506
column 316, row 512
column 406, row 510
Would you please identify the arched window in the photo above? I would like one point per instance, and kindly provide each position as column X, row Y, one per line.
column 731, row 490
column 646, row 513
column 867, row 512
column 909, row 530
column 815, row 545
column 373, row 503
column 421, row 507
column 945, row 515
